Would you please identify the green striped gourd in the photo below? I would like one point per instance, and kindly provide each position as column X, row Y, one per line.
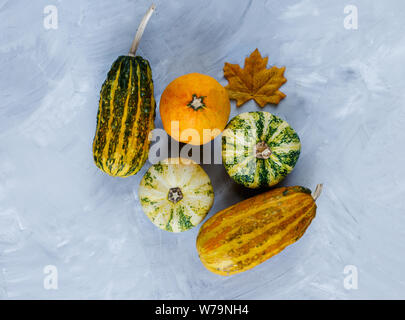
column 126, row 113
column 259, row 149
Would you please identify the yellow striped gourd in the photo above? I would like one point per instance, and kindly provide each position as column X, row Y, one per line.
column 246, row 234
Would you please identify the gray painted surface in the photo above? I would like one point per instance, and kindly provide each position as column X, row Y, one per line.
column 345, row 98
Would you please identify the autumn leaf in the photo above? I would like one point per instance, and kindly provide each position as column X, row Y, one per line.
column 254, row 81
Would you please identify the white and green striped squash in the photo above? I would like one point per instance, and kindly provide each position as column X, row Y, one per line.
column 259, row 149
column 176, row 194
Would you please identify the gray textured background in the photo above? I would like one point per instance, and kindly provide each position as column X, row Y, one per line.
column 345, row 98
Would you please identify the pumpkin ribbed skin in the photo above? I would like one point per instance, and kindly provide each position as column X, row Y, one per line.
column 180, row 180
column 125, row 117
column 194, row 108
column 241, row 141
column 248, row 233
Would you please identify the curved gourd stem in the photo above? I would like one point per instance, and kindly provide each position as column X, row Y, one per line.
column 317, row 191
column 140, row 30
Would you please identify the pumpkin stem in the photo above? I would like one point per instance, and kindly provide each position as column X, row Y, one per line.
column 197, row 102
column 140, row 30
column 263, row 151
column 175, row 195
column 317, row 191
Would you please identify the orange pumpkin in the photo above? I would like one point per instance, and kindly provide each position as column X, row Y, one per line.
column 194, row 108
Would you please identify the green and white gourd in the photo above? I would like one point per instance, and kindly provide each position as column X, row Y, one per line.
column 176, row 194
column 259, row 149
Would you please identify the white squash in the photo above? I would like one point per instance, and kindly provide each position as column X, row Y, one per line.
column 176, row 194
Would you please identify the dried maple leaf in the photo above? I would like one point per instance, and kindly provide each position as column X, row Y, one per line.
column 254, row 81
